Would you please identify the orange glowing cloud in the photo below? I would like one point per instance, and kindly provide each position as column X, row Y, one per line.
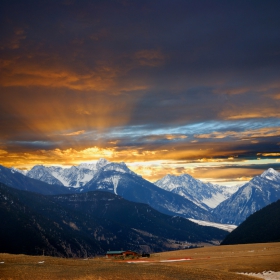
column 269, row 154
column 255, row 133
column 74, row 133
column 225, row 173
column 21, row 73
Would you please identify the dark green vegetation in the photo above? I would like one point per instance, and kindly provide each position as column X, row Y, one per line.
column 262, row 226
column 81, row 225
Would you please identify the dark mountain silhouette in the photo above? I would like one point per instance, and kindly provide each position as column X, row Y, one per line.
column 262, row 226
column 88, row 224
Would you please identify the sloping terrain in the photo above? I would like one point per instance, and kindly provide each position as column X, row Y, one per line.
column 253, row 196
column 134, row 188
column 19, row 181
column 138, row 216
column 205, row 195
column 208, row 263
column 262, row 226
column 87, row 224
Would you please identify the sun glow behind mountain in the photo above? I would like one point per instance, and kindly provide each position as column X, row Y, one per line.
column 183, row 89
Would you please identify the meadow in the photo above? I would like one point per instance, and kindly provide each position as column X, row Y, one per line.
column 217, row 262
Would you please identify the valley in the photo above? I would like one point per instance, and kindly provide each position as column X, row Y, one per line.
column 220, row 262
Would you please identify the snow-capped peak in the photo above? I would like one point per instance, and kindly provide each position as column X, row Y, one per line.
column 23, row 172
column 85, row 165
column 204, row 195
column 101, row 162
column 271, row 175
column 119, row 167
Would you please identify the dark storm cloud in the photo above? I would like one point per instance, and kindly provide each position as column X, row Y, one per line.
column 196, row 78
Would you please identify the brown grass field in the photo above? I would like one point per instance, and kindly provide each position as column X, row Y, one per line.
column 220, row 262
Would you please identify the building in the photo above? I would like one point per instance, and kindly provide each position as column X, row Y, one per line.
column 121, row 254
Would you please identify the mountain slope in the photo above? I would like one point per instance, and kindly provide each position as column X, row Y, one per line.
column 74, row 176
column 138, row 216
column 256, row 194
column 19, row 181
column 87, row 224
column 262, row 226
column 205, row 195
column 42, row 173
column 118, row 179
column 26, row 230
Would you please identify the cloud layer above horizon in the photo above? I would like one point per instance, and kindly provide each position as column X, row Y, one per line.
column 166, row 86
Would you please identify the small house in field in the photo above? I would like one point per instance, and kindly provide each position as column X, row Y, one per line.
column 121, row 254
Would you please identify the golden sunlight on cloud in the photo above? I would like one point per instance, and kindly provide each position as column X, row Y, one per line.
column 73, row 156
column 227, row 174
column 175, row 136
column 245, row 115
column 18, row 73
column 2, row 152
column 74, row 133
column 269, row 154
column 153, row 172
column 56, row 157
column 145, row 163
column 245, row 135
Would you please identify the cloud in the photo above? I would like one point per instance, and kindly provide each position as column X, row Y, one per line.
column 3, row 152
column 184, row 82
column 152, row 58
column 269, row 154
column 265, row 132
column 13, row 41
column 74, row 133
column 20, row 73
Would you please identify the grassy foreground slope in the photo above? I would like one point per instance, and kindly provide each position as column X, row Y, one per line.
column 222, row 262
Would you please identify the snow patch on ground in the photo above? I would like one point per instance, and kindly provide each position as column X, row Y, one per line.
column 226, row 227
column 267, row 275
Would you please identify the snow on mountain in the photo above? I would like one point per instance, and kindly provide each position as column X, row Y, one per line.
column 271, row 175
column 226, row 227
column 85, row 165
column 251, row 197
column 118, row 179
column 119, row 167
column 23, row 172
column 42, row 173
column 74, row 176
column 205, row 195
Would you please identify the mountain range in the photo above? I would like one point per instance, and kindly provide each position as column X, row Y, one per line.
column 117, row 178
column 205, row 195
column 259, row 192
column 88, row 224
column 173, row 195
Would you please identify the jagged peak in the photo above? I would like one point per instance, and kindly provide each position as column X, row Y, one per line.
column 38, row 166
column 101, row 162
column 271, row 174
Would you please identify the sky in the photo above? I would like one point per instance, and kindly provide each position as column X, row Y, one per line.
column 168, row 87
